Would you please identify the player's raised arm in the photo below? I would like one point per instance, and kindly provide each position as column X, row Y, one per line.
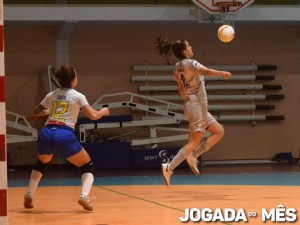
column 211, row 72
column 95, row 114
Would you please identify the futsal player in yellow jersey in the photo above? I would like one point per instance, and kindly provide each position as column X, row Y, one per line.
column 63, row 106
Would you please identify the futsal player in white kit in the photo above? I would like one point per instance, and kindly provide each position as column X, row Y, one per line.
column 63, row 105
column 189, row 75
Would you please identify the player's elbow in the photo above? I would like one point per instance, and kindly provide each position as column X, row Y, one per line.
column 90, row 113
column 39, row 108
column 93, row 116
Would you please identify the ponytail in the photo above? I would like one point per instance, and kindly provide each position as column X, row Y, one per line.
column 163, row 47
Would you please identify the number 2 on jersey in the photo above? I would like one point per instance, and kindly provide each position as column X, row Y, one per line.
column 58, row 109
column 183, row 81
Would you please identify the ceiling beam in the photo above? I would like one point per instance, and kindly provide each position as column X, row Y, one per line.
column 138, row 14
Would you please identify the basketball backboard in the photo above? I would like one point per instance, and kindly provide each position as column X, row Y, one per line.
column 225, row 6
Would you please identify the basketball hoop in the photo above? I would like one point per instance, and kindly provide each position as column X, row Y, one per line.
column 228, row 11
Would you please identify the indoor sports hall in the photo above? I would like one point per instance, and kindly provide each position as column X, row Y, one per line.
column 251, row 176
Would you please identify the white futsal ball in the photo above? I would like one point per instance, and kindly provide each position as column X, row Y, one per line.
column 226, row 33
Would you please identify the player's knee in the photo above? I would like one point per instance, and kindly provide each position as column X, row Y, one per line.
column 88, row 168
column 41, row 167
column 221, row 133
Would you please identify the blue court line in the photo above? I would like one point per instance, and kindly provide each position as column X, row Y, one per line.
column 266, row 179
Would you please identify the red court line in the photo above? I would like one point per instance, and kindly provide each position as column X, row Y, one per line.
column 2, row 147
column 1, row 38
column 2, row 86
column 3, row 197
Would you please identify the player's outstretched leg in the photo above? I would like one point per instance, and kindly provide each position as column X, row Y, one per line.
column 217, row 132
column 167, row 169
column 87, row 178
column 36, row 175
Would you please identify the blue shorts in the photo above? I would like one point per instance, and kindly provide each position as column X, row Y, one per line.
column 61, row 139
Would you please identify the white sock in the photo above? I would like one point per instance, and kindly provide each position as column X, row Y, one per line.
column 87, row 182
column 34, row 181
column 202, row 147
column 179, row 158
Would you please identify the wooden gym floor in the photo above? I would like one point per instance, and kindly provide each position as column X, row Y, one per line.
column 141, row 198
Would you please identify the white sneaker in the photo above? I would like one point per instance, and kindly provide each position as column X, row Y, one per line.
column 193, row 163
column 166, row 172
column 28, row 201
column 85, row 203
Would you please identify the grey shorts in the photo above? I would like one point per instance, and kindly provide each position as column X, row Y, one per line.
column 193, row 113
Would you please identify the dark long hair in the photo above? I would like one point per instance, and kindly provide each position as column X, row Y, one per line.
column 65, row 75
column 164, row 46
